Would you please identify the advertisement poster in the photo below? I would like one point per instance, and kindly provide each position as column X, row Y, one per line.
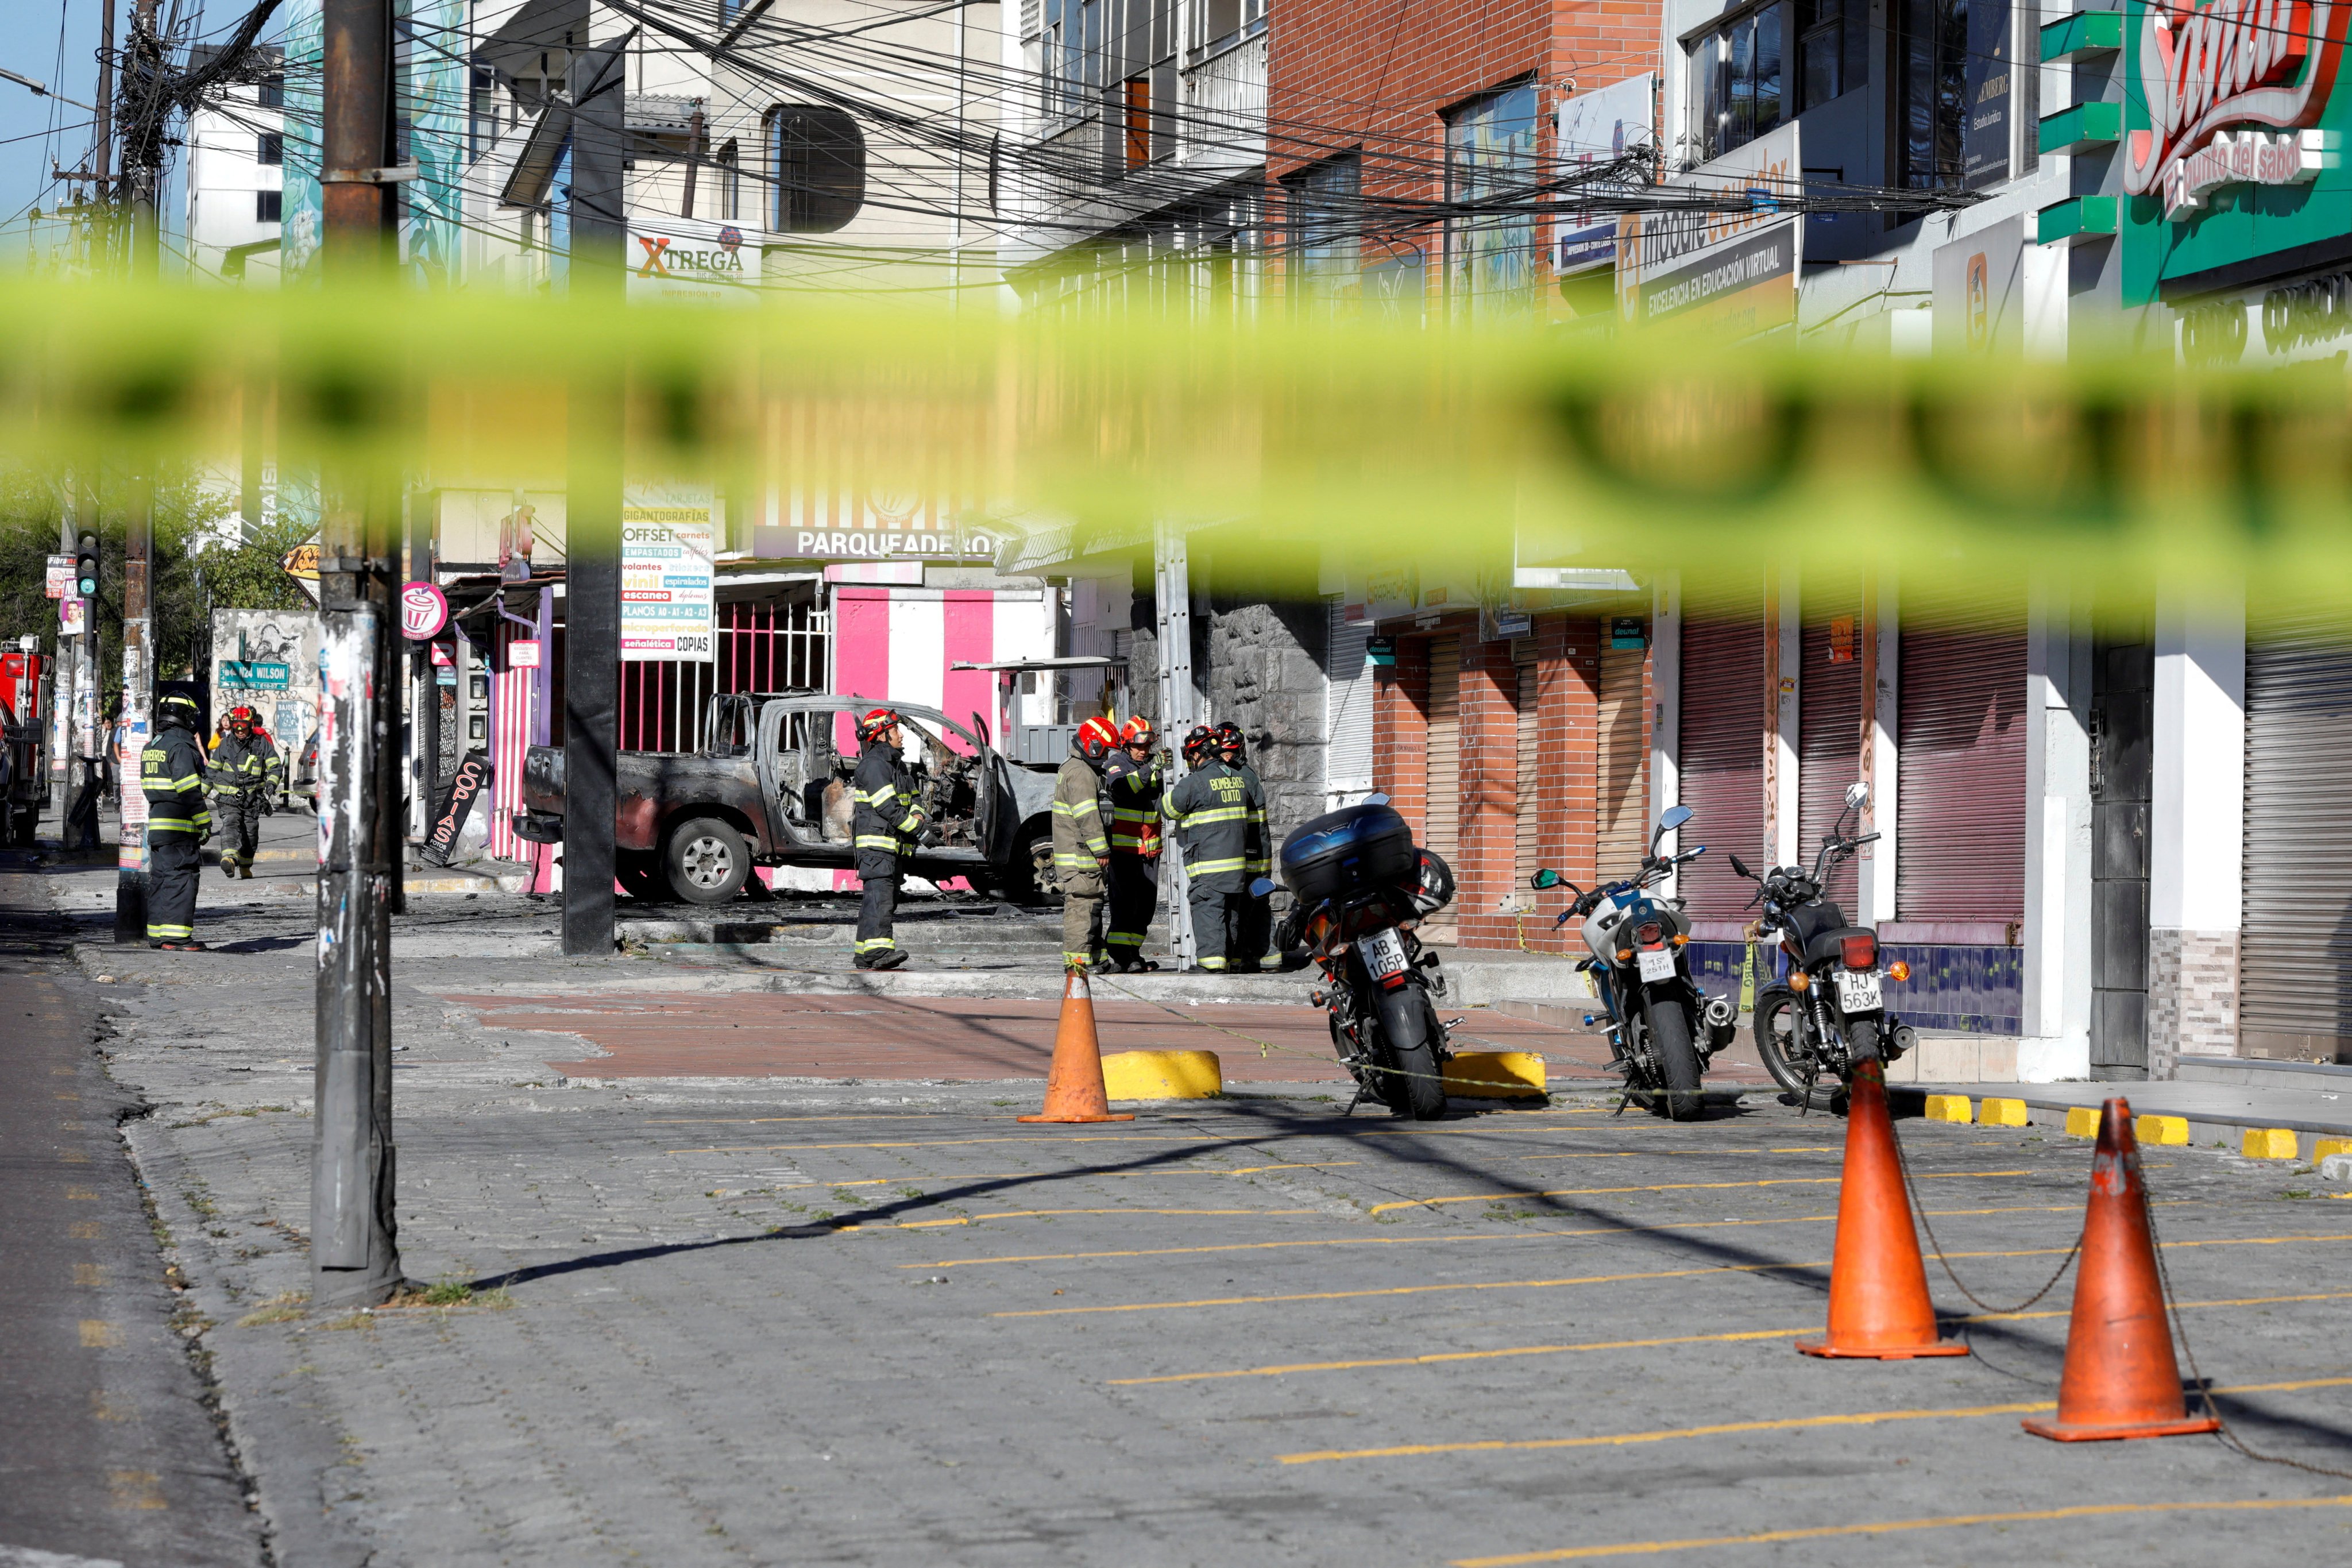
column 668, row 579
column 1733, row 272
column 688, row 261
column 1984, row 134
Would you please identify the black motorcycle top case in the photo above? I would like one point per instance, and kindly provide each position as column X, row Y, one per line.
column 1348, row 851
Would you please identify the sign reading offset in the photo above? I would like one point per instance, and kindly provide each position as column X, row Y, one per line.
column 668, row 575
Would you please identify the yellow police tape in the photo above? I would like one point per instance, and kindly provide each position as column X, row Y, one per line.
column 1450, row 468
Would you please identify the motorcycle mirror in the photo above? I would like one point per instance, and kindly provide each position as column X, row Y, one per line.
column 1741, row 868
column 1262, row 887
column 1674, row 817
column 1546, row 878
column 1857, row 793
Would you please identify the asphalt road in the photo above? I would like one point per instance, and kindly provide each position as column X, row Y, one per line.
column 108, row 1449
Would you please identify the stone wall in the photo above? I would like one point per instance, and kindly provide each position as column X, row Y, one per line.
column 1266, row 674
column 2192, row 996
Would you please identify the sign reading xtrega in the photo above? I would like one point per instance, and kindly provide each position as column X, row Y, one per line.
column 686, row 259
column 2202, row 71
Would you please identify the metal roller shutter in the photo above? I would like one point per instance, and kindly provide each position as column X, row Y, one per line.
column 1528, row 827
column 1961, row 770
column 1347, row 704
column 1623, row 763
column 1441, row 829
column 1724, row 705
column 1829, row 731
column 2295, row 977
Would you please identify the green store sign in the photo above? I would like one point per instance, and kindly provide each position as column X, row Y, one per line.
column 2232, row 147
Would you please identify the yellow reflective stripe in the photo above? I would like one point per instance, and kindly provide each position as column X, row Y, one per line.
column 888, row 841
column 1065, row 859
column 1215, row 813
column 1212, row 963
column 156, row 931
column 1208, row 867
column 170, row 825
column 1123, row 938
column 869, row 944
column 1078, row 809
column 912, row 823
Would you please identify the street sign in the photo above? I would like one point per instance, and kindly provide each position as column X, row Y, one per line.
column 254, row 675
column 424, row 611
column 60, row 585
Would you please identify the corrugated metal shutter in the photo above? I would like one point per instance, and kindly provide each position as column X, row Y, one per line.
column 1623, row 763
column 1528, row 829
column 1724, row 707
column 1442, row 834
column 1829, row 730
column 1960, row 827
column 1347, row 704
column 2296, row 951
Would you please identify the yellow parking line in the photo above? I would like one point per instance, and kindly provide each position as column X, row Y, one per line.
column 952, row 1143
column 1453, row 1240
column 1580, row 1279
column 1662, row 1187
column 1891, row 1527
column 1440, row 1357
column 1790, row 1424
column 1034, row 1214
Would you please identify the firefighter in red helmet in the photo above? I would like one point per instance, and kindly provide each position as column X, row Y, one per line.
column 1081, row 845
column 887, row 821
column 1131, row 788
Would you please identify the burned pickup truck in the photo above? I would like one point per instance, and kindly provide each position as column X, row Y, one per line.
column 769, row 788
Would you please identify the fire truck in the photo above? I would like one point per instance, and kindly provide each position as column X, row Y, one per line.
column 25, row 694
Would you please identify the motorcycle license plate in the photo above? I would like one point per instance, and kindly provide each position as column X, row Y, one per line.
column 1858, row 991
column 1657, row 963
column 1384, row 953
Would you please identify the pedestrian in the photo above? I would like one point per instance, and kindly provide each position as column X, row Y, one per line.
column 1256, row 925
column 1132, row 784
column 884, row 828
column 246, row 774
column 1214, row 811
column 1081, row 848
column 171, row 772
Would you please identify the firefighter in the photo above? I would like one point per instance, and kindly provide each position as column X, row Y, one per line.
column 885, row 828
column 172, row 773
column 1131, row 788
column 1256, row 927
column 1215, row 812
column 246, row 774
column 1081, row 848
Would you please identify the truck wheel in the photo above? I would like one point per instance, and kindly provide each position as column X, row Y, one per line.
column 707, row 861
column 639, row 872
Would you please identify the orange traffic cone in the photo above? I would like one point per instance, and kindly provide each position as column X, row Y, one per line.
column 1074, row 1084
column 1879, row 1307
column 2120, row 1379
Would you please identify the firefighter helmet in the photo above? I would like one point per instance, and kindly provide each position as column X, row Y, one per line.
column 1201, row 741
column 1229, row 741
column 241, row 714
column 178, row 708
column 1137, row 732
column 878, row 722
column 1096, row 737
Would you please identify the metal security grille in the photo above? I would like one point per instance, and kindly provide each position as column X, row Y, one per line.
column 1527, row 829
column 1724, row 705
column 1442, row 835
column 1347, row 704
column 1960, row 810
column 1622, row 763
column 1829, row 728
column 2294, row 985
column 762, row 647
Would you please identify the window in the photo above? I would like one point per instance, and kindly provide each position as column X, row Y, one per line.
column 1073, row 45
column 818, row 157
column 1736, row 82
column 1136, row 121
column 1327, row 249
column 271, row 93
column 1220, row 24
column 731, row 181
column 482, row 111
column 1832, row 49
column 1932, row 61
column 269, row 207
column 1490, row 168
column 272, row 149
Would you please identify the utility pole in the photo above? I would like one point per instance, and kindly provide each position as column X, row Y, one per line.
column 142, row 141
column 592, row 598
column 354, row 1259
column 101, row 158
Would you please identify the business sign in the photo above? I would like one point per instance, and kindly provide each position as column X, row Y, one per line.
column 669, row 583
column 685, row 260
column 1979, row 291
column 473, row 782
column 60, row 581
column 2233, row 141
column 1734, row 272
column 872, row 544
column 424, row 611
column 302, row 561
column 523, row 654
column 1985, row 95
column 1602, row 127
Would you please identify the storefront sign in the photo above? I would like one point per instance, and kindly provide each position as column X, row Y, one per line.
column 1602, row 127
column 472, row 782
column 523, row 654
column 424, row 611
column 302, row 561
column 872, row 544
column 2247, row 158
column 2205, row 68
column 687, row 260
column 1734, row 272
column 668, row 576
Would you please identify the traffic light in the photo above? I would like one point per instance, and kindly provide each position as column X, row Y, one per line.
column 85, row 567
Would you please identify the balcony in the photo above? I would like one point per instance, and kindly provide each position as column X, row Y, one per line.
column 1222, row 102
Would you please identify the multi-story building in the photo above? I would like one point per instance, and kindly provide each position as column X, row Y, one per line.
column 235, row 175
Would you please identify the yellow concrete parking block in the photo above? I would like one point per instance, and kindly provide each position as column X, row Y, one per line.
column 2324, row 1147
column 2002, row 1113
column 1495, row 1075
column 2160, row 1129
column 2270, row 1143
column 2082, row 1121
column 1162, row 1075
column 1950, row 1108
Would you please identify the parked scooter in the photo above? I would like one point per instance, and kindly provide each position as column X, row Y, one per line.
column 1662, row 1029
column 1830, row 1013
column 1360, row 889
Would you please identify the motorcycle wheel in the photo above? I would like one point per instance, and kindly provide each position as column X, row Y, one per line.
column 1862, row 1040
column 1776, row 1026
column 1670, row 1039
column 1413, row 1087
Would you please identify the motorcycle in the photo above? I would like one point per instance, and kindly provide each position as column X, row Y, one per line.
column 1662, row 1028
column 1360, row 889
column 1830, row 1013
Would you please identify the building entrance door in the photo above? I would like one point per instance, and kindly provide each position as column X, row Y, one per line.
column 2123, row 774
